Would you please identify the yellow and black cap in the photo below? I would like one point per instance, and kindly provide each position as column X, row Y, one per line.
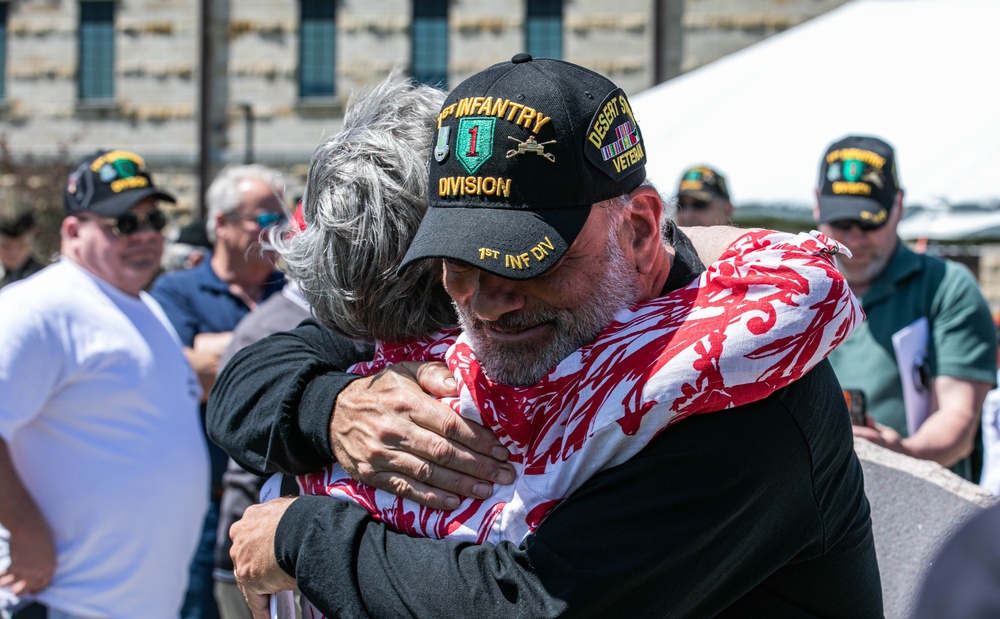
column 858, row 181
column 522, row 151
column 110, row 182
column 703, row 183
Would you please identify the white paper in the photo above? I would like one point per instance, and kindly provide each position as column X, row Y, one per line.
column 910, row 346
column 283, row 602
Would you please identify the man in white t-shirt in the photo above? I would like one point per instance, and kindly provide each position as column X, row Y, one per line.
column 103, row 464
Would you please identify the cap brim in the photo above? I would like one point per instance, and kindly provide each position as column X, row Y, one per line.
column 123, row 202
column 838, row 208
column 705, row 196
column 511, row 243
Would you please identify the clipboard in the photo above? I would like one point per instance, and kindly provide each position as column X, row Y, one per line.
column 910, row 346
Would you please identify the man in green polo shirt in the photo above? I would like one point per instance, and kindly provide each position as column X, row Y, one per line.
column 925, row 356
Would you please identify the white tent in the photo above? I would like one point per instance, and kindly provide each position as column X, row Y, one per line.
column 921, row 74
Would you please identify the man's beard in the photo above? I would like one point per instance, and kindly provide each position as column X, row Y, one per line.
column 527, row 363
column 863, row 276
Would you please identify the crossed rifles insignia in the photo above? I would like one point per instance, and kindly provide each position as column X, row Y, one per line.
column 531, row 145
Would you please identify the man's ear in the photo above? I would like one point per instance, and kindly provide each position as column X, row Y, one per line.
column 643, row 219
column 70, row 227
column 220, row 224
column 898, row 206
column 816, row 206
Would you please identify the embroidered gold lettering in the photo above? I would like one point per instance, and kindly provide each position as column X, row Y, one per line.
column 116, row 155
column 603, row 122
column 517, row 113
column 541, row 251
column 866, row 156
column 129, row 183
column 877, row 218
column 857, row 189
column 524, row 119
column 519, row 261
column 627, row 158
column 499, row 107
column 445, row 113
column 485, row 252
column 514, row 109
column 540, row 121
column 484, row 107
column 452, row 186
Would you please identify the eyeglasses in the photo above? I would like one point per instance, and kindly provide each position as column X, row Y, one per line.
column 264, row 220
column 698, row 205
column 130, row 223
column 845, row 225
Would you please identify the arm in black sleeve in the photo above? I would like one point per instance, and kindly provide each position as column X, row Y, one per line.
column 720, row 511
column 271, row 405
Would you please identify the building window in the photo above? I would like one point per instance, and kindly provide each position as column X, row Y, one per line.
column 97, row 51
column 543, row 28
column 317, row 48
column 430, row 42
column 3, row 50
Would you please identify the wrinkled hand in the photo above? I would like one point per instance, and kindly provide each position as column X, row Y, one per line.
column 32, row 557
column 879, row 434
column 257, row 572
column 389, row 433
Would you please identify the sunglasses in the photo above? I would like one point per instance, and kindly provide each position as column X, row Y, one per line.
column 265, row 220
column 845, row 225
column 130, row 223
column 698, row 205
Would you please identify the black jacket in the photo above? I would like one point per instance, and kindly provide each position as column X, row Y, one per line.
column 758, row 511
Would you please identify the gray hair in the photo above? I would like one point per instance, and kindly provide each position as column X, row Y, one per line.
column 365, row 194
column 619, row 205
column 223, row 194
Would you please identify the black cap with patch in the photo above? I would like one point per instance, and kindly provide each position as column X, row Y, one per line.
column 110, row 182
column 858, row 181
column 703, row 183
column 522, row 151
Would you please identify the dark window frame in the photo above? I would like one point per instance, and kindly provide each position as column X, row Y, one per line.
column 317, row 75
column 96, row 52
column 543, row 28
column 429, row 43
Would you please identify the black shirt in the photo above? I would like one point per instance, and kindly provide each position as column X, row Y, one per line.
column 755, row 511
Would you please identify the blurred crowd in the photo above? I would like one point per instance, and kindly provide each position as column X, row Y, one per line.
column 116, row 503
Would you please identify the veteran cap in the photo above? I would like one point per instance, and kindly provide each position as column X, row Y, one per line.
column 522, row 151
column 858, row 181
column 110, row 182
column 703, row 183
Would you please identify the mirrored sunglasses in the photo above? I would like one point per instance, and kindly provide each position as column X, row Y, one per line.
column 263, row 220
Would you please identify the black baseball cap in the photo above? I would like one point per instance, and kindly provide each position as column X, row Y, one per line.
column 703, row 183
column 523, row 149
column 858, row 181
column 110, row 182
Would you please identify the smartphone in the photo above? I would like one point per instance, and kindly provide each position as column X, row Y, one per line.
column 856, row 405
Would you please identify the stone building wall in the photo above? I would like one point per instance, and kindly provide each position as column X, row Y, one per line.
column 253, row 90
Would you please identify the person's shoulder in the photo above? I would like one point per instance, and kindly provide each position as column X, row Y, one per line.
column 178, row 278
column 57, row 292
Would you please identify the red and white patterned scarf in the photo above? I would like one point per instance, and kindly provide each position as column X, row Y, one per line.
column 770, row 309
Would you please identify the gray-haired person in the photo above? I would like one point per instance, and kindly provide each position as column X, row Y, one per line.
column 205, row 303
column 693, row 500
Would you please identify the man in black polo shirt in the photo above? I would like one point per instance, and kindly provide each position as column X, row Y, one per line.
column 757, row 510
